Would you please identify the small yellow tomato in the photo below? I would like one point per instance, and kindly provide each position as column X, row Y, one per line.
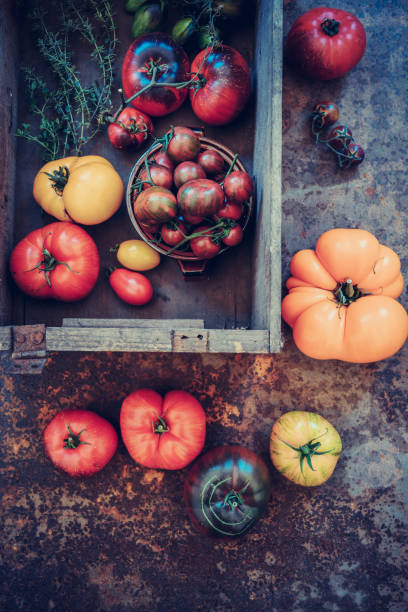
column 87, row 189
column 137, row 255
column 304, row 447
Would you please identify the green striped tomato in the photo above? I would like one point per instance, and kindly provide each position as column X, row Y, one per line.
column 304, row 447
column 155, row 205
column 200, row 198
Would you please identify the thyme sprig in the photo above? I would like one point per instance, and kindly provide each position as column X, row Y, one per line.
column 71, row 113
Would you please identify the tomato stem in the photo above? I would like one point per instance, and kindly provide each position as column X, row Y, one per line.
column 346, row 293
column 230, row 169
column 59, row 178
column 49, row 263
column 73, row 440
column 330, row 27
column 308, row 450
column 160, row 426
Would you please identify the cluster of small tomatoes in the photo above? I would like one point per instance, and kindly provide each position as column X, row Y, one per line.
column 187, row 199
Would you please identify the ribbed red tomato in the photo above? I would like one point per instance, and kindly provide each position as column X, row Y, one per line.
column 325, row 43
column 130, row 130
column 155, row 55
column 165, row 433
column 227, row 85
column 59, row 261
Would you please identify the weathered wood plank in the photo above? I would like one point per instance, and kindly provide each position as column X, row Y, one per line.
column 238, row 341
column 152, row 323
column 8, row 124
column 110, row 339
column 267, row 170
column 5, row 338
column 190, row 341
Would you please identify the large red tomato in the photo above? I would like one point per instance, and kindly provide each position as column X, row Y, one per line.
column 79, row 442
column 57, row 261
column 227, row 85
column 342, row 298
column 158, row 54
column 326, row 43
column 165, row 433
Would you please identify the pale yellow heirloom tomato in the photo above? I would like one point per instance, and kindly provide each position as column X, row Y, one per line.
column 87, row 189
column 137, row 255
column 304, row 447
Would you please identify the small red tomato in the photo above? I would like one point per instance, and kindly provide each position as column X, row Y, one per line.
column 159, row 175
column 234, row 235
column 80, row 442
column 230, row 210
column 130, row 130
column 184, row 146
column 211, row 161
column 339, row 137
column 173, row 232
column 204, row 246
column 188, row 171
column 238, row 186
column 132, row 287
column 162, row 159
column 192, row 219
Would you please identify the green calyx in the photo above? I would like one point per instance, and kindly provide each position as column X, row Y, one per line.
column 59, row 178
column 48, row 264
column 346, row 293
column 233, row 499
column 308, row 450
column 74, row 440
column 160, row 426
column 330, row 27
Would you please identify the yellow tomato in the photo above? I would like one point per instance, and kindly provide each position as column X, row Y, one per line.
column 87, row 190
column 304, row 447
column 137, row 255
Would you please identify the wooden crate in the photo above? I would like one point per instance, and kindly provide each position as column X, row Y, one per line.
column 235, row 308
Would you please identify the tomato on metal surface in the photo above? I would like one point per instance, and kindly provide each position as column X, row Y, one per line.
column 80, row 442
column 162, row 432
column 59, row 261
column 342, row 298
column 130, row 130
column 226, row 88
column 155, row 54
column 304, row 447
column 325, row 43
column 132, row 287
column 226, row 491
column 137, row 255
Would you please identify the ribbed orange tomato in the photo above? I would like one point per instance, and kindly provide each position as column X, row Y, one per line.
column 342, row 298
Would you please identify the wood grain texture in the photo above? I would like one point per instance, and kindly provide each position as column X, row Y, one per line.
column 267, row 169
column 8, row 112
column 155, row 323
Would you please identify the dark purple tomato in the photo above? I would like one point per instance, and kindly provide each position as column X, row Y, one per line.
column 130, row 130
column 238, row 186
column 324, row 114
column 226, row 491
column 159, row 175
column 155, row 53
column 200, row 198
column 354, row 154
column 211, row 161
column 226, row 88
column 339, row 137
column 184, row 145
column 155, row 205
column 187, row 171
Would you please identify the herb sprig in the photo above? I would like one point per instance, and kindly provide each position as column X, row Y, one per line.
column 71, row 113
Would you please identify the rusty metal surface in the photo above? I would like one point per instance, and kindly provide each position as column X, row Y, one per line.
column 121, row 541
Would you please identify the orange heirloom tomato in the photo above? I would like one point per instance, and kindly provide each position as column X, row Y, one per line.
column 87, row 189
column 342, row 298
column 304, row 447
